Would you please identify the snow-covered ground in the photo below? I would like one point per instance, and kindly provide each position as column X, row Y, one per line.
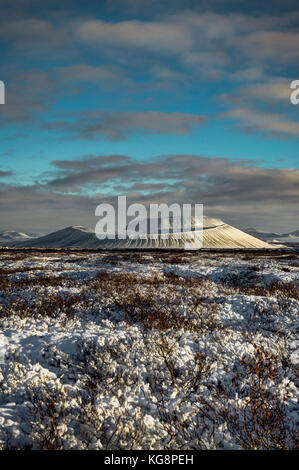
column 148, row 351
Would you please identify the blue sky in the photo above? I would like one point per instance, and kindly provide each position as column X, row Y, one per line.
column 205, row 84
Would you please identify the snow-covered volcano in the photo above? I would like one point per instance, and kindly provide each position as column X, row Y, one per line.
column 12, row 235
column 8, row 236
column 270, row 237
column 215, row 234
column 69, row 237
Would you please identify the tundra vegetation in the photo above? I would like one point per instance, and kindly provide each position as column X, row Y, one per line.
column 148, row 350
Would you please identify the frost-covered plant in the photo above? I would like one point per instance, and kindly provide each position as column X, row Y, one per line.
column 258, row 418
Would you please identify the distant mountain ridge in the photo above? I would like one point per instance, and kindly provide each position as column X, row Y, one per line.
column 10, row 236
column 291, row 237
column 215, row 234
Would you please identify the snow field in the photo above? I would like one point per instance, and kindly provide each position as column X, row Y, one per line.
column 148, row 352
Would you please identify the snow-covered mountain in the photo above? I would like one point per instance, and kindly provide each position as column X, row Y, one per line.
column 69, row 237
column 9, row 236
column 215, row 234
column 294, row 234
column 254, row 232
column 270, row 237
column 12, row 234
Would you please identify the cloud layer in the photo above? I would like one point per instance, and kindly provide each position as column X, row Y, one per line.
column 114, row 125
column 242, row 194
column 174, row 48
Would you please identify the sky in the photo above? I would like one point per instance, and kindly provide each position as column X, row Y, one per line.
column 162, row 101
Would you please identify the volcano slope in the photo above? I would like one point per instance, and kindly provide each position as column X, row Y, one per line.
column 214, row 234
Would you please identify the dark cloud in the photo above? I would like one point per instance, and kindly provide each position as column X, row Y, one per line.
column 37, row 210
column 206, row 42
column 180, row 46
column 252, row 120
column 198, row 177
column 209, row 42
column 102, row 75
column 160, row 37
column 241, row 193
column 253, row 108
column 266, row 91
column 26, row 93
column 116, row 125
column 219, row 179
column 4, row 174
column 91, row 162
